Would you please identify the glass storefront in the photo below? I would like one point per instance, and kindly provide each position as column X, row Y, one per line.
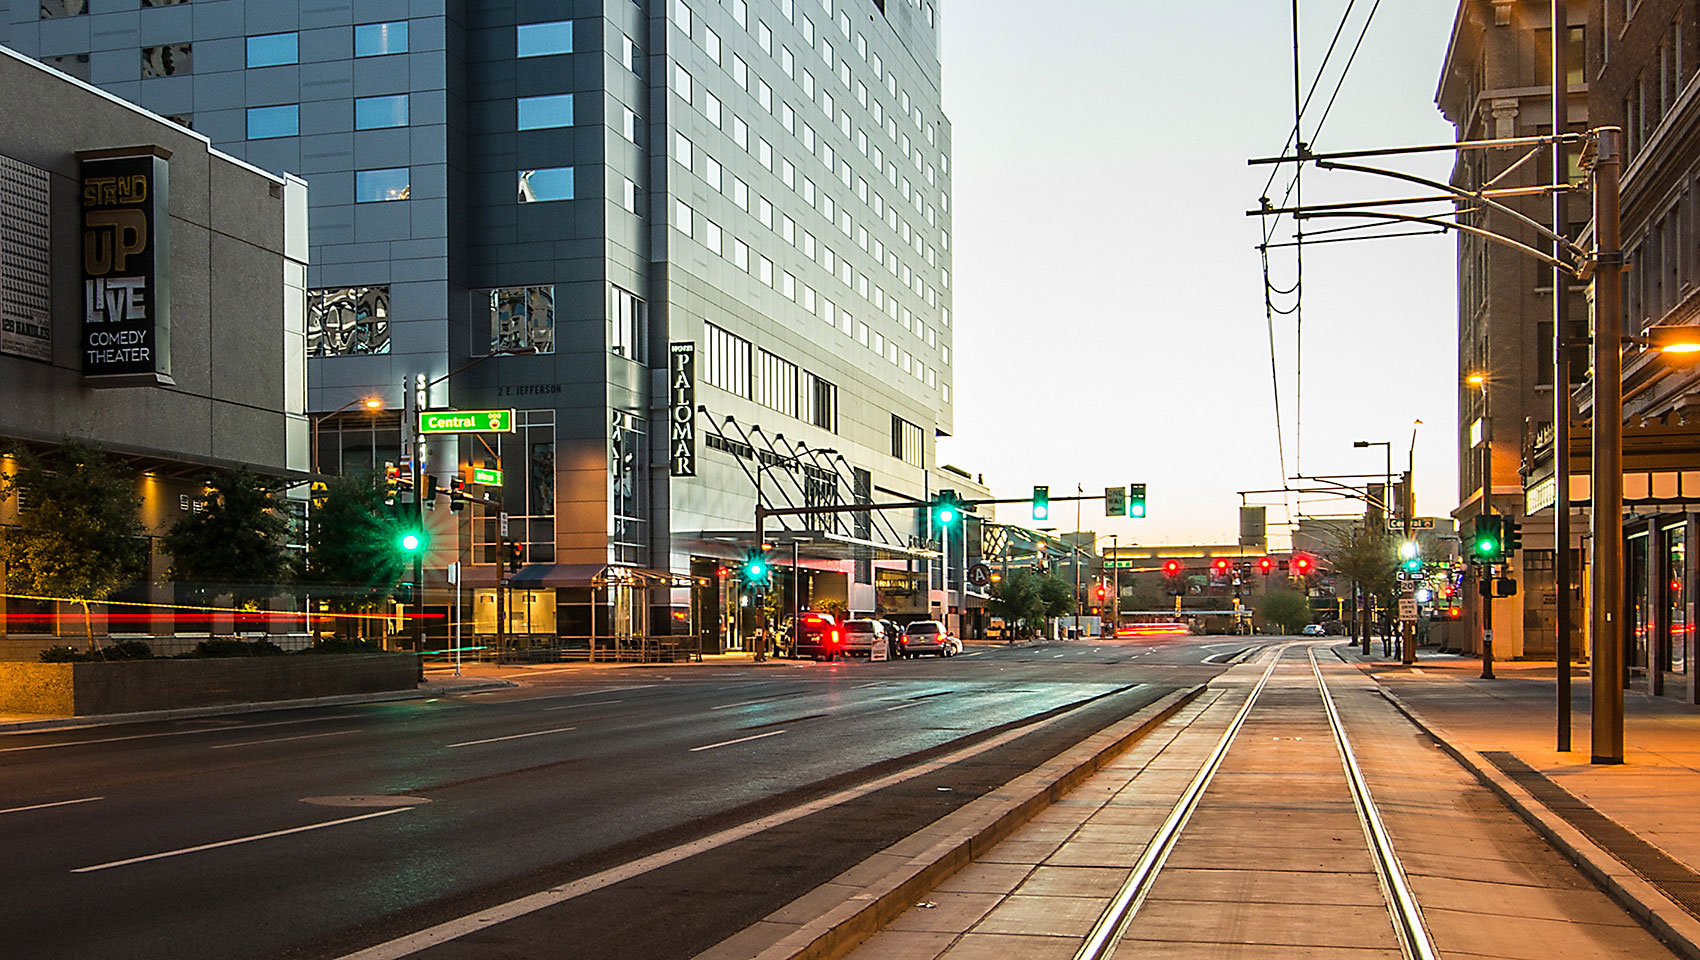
column 1637, row 600
column 1674, row 553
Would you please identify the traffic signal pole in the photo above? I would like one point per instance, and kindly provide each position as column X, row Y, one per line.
column 1561, row 562
column 1606, row 480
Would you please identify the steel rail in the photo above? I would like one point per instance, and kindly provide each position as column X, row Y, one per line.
column 1412, row 932
column 1408, row 921
column 1112, row 923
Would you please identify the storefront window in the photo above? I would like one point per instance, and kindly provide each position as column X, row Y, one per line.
column 1637, row 600
column 1675, row 652
column 629, row 542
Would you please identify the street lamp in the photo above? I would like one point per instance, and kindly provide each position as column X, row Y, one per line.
column 372, row 405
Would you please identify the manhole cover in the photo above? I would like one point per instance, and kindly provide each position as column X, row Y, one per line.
column 368, row 800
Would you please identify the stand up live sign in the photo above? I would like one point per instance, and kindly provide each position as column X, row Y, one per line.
column 682, row 408
column 126, row 337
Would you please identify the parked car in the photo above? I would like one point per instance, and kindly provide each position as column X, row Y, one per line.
column 1313, row 630
column 928, row 636
column 861, row 634
column 821, row 637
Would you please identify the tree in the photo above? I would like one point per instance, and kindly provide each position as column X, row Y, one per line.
column 79, row 535
column 1017, row 600
column 351, row 544
column 1369, row 558
column 1284, row 608
column 236, row 544
column 1058, row 595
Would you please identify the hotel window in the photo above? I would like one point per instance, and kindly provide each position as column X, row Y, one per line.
column 543, row 39
column 348, row 321
column 682, row 83
column 625, row 325
column 629, row 53
column 545, row 184
column 273, row 49
column 727, row 364
column 711, row 44
column 906, row 441
column 378, row 39
column 819, row 403
column 630, row 199
column 267, row 122
column 776, row 385
column 628, row 463
column 682, row 16
column 628, row 126
column 543, row 113
column 377, row 186
column 172, row 60
column 522, row 318
column 374, row 113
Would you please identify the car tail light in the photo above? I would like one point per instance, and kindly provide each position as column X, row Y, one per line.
column 835, row 637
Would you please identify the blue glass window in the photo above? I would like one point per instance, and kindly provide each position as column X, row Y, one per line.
column 377, row 39
column 371, row 113
column 267, row 122
column 543, row 39
column 540, row 113
column 374, row 186
column 549, row 183
column 273, row 49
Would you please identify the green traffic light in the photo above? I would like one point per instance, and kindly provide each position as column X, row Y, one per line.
column 1487, row 547
column 410, row 542
column 947, row 516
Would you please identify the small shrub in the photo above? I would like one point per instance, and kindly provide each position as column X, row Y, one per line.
column 63, row 655
column 342, row 644
column 232, row 647
column 126, row 650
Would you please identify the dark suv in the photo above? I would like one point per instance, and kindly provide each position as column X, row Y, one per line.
column 821, row 638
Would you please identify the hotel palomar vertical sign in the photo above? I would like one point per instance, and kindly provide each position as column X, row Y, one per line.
column 126, row 337
column 682, row 408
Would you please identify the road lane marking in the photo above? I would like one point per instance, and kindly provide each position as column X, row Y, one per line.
column 516, row 736
column 728, row 743
column 1057, row 657
column 231, row 843
column 56, row 803
column 575, row 706
column 747, row 703
column 974, row 654
column 173, row 733
column 903, row 706
column 421, row 940
column 304, row 736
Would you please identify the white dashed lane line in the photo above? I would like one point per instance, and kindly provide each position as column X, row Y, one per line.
column 728, row 743
column 515, row 736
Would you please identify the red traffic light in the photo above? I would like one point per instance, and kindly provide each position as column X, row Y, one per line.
column 1301, row 565
column 1266, row 564
column 1171, row 568
column 1221, row 564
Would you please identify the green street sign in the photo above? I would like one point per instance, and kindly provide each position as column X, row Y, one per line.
column 466, row 421
column 490, row 478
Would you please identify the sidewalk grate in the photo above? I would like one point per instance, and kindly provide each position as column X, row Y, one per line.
column 1674, row 880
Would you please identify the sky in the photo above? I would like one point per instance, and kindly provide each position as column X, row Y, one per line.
column 1109, row 300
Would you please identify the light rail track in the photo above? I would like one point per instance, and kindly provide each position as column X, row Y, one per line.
column 1106, row 936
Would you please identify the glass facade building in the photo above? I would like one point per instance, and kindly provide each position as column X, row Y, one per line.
column 589, row 184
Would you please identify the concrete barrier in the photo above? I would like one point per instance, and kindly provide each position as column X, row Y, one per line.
column 133, row 686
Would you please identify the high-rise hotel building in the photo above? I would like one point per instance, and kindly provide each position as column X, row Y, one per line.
column 701, row 247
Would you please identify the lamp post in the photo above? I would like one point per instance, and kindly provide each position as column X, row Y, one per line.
column 372, row 405
column 1407, row 507
column 1485, row 572
column 1387, row 511
column 761, row 534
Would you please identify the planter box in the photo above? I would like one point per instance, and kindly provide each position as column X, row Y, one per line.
column 86, row 689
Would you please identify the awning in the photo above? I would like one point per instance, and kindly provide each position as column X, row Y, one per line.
column 534, row 576
column 816, row 545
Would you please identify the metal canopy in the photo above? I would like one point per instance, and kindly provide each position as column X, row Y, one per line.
column 817, row 545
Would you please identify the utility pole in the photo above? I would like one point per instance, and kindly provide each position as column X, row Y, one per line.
column 1561, row 560
column 1607, row 467
column 410, row 428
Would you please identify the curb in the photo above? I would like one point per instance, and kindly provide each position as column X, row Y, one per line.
column 218, row 710
column 1645, row 902
column 906, row 871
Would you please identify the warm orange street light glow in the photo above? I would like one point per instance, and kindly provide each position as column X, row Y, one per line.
column 373, row 403
column 1476, row 379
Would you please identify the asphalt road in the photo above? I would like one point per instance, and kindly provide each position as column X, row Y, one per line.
column 312, row 833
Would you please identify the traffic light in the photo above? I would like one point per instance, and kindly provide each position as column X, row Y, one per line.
column 457, row 494
column 411, row 541
column 1136, row 500
column 1266, row 566
column 1221, row 565
column 1041, row 503
column 1171, row 568
column 1485, row 541
column 1301, row 565
column 513, row 552
column 1510, row 536
column 1411, row 557
column 756, row 571
column 392, row 481
column 947, row 508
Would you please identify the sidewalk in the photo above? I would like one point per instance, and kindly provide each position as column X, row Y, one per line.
column 1631, row 826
